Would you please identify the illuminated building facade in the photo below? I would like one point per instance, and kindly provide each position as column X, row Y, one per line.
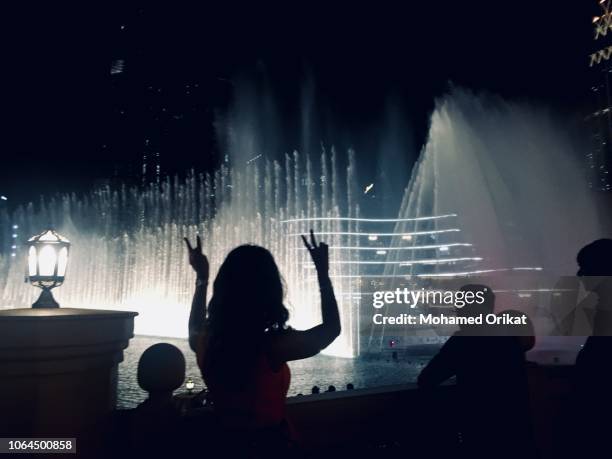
column 161, row 108
column 600, row 117
column 9, row 234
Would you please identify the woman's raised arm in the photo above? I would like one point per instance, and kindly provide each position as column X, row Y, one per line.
column 197, row 316
column 300, row 344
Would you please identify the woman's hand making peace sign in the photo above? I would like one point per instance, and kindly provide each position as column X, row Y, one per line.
column 318, row 252
column 197, row 259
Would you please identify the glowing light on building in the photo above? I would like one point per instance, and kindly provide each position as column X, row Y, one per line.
column 117, row 66
column 368, row 220
column 376, row 235
column 430, row 261
column 479, row 271
column 409, row 247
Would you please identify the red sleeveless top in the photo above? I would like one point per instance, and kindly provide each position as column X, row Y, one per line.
column 261, row 403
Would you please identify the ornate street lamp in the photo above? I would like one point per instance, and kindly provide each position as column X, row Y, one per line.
column 47, row 261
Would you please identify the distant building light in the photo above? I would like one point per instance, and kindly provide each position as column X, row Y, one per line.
column 14, row 235
column 407, row 237
column 15, row 226
column 444, row 248
column 13, row 247
column 373, row 237
column 117, row 66
column 368, row 188
column 381, row 252
column 4, row 198
column 13, row 254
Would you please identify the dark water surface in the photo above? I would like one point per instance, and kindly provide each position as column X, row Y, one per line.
column 321, row 371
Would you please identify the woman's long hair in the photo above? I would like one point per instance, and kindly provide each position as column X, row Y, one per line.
column 247, row 302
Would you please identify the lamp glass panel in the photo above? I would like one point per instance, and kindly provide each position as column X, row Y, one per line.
column 62, row 261
column 47, row 259
column 32, row 261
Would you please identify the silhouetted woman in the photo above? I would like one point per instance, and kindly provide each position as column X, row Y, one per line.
column 243, row 345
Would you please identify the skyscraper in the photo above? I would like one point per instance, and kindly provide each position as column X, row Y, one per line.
column 600, row 117
column 162, row 101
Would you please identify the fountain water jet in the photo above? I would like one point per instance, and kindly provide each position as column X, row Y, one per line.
column 510, row 175
column 499, row 178
column 128, row 251
column 515, row 201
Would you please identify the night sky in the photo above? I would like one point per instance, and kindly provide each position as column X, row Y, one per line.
column 62, row 127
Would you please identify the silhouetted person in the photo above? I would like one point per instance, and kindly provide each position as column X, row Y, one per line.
column 161, row 370
column 595, row 272
column 524, row 333
column 491, row 384
column 243, row 344
column 350, row 386
column 593, row 378
column 316, row 390
column 331, row 389
column 563, row 307
column 156, row 422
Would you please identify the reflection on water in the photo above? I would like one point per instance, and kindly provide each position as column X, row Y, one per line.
column 321, row 371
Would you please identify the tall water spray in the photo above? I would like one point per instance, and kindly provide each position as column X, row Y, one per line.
column 495, row 190
column 509, row 175
column 128, row 253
